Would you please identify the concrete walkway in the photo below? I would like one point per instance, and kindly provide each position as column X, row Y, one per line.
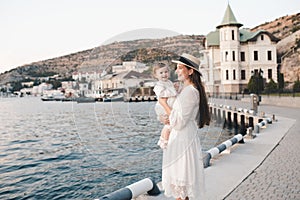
column 266, row 167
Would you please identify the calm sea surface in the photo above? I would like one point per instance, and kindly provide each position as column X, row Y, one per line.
column 66, row 150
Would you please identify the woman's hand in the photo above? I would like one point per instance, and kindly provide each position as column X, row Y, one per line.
column 164, row 119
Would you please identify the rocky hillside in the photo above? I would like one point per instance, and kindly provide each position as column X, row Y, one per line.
column 281, row 27
column 286, row 28
column 102, row 57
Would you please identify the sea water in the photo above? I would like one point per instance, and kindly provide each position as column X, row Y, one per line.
column 69, row 150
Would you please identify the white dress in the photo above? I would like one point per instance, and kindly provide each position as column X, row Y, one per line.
column 182, row 170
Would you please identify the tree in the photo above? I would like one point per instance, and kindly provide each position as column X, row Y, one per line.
column 2, row 90
column 271, row 86
column 16, row 86
column 256, row 83
column 56, row 84
column 296, row 87
column 251, row 85
column 36, row 82
column 280, row 81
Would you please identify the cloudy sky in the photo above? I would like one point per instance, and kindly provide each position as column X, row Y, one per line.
column 34, row 30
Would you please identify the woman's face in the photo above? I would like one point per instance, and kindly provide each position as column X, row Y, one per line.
column 183, row 72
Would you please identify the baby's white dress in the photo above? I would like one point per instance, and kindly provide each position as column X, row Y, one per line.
column 182, row 170
column 164, row 89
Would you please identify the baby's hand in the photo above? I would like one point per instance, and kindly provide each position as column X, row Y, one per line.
column 164, row 119
column 177, row 86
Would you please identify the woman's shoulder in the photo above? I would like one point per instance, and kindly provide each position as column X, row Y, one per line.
column 189, row 88
column 189, row 91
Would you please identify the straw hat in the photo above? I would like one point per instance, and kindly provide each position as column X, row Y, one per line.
column 188, row 60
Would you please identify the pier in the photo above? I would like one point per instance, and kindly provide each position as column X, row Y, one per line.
column 245, row 172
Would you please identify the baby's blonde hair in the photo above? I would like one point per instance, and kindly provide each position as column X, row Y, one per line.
column 158, row 66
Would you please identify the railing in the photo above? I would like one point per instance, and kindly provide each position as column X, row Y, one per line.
column 148, row 185
column 235, row 96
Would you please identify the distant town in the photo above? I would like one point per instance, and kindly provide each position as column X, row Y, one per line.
column 124, row 80
column 234, row 60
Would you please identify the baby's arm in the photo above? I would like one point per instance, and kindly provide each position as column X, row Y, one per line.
column 163, row 102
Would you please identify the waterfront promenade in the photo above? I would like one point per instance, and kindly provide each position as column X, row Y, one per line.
column 278, row 177
column 266, row 167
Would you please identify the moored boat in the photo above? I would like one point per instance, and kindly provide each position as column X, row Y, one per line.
column 85, row 99
column 114, row 98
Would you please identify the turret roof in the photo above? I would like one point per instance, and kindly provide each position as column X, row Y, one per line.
column 229, row 19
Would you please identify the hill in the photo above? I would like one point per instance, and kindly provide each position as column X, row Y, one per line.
column 287, row 28
column 100, row 58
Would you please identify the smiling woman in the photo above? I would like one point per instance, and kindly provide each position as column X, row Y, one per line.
column 182, row 171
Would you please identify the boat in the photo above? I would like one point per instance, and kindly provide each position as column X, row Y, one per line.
column 113, row 97
column 56, row 97
column 85, row 99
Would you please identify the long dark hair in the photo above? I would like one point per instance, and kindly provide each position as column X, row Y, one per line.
column 203, row 117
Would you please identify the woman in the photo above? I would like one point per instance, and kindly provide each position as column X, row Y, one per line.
column 182, row 171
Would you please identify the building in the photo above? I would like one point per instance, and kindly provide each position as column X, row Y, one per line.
column 128, row 66
column 87, row 76
column 27, row 84
column 122, row 81
column 232, row 55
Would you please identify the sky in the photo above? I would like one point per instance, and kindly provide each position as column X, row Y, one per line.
column 35, row 30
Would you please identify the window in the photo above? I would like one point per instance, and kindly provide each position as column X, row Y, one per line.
column 234, row 74
column 255, row 55
column 227, row 75
column 221, row 36
column 243, row 56
column 269, row 55
column 243, row 75
column 232, row 34
column 233, row 55
column 226, row 55
column 269, row 73
column 262, row 37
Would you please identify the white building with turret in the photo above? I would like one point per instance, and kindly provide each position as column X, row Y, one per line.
column 232, row 55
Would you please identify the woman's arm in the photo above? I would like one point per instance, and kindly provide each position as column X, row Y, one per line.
column 182, row 113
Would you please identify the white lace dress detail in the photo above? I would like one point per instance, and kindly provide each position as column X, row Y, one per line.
column 182, row 171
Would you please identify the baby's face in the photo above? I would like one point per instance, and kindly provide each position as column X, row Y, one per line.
column 162, row 74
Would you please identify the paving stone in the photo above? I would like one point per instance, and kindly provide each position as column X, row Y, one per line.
column 278, row 176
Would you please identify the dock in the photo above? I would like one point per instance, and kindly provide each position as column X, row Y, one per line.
column 264, row 167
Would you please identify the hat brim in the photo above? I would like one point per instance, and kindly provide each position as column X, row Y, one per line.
column 179, row 62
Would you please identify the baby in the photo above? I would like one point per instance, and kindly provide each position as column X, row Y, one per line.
column 166, row 94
